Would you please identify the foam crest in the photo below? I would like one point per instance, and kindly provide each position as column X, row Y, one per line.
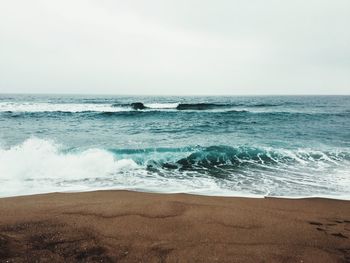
column 36, row 158
column 54, row 107
column 161, row 105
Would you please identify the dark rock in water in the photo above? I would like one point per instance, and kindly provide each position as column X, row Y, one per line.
column 199, row 106
column 138, row 106
column 185, row 106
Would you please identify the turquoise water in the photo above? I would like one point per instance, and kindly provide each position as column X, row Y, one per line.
column 293, row 146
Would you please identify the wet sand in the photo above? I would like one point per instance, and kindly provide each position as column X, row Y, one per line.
column 122, row 226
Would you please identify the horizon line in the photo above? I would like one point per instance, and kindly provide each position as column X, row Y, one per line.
column 170, row 95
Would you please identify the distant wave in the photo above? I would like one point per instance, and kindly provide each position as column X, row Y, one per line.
column 196, row 106
column 58, row 107
column 96, row 107
column 209, row 106
column 17, row 110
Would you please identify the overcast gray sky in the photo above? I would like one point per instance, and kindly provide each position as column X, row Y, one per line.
column 175, row 46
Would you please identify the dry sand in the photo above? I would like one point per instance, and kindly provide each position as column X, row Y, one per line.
column 122, row 226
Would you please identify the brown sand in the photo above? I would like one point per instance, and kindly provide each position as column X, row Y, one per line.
column 121, row 226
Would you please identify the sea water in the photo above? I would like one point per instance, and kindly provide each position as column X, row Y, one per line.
column 290, row 146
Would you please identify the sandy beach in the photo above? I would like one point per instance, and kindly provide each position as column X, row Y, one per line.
column 122, row 226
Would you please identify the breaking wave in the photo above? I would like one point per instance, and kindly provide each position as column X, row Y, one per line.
column 39, row 165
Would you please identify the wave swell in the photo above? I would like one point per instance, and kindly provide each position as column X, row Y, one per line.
column 91, row 107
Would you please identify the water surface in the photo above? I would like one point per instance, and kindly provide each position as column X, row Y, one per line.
column 291, row 146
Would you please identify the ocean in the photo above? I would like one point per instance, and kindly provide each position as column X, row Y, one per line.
column 285, row 146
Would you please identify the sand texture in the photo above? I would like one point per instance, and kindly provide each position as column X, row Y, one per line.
column 122, row 226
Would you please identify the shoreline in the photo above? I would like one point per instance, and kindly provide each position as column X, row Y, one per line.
column 125, row 226
column 248, row 196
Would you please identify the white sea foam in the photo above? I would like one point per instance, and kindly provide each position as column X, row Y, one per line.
column 37, row 158
column 40, row 165
column 161, row 105
column 64, row 107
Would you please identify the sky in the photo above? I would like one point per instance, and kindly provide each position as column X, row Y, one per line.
column 175, row 47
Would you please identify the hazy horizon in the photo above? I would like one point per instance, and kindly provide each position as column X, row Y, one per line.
column 168, row 95
column 171, row 95
column 189, row 48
